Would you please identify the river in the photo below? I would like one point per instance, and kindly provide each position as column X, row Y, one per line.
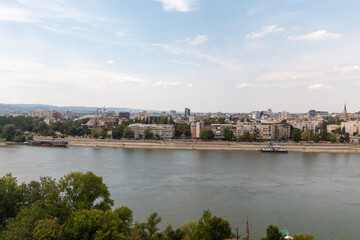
column 314, row 193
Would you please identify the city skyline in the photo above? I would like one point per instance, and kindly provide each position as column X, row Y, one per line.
column 237, row 56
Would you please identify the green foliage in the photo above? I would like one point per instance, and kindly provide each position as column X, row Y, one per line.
column 79, row 207
column 189, row 227
column 148, row 134
column 11, row 198
column 182, row 128
column 245, row 137
column 303, row 237
column 21, row 227
column 295, row 134
column 212, row 228
column 253, row 137
column 94, row 224
column 99, row 132
column 228, row 134
column 47, row 229
column 306, row 136
column 333, row 138
column 85, row 191
column 171, row 234
column 118, row 131
column 151, row 227
column 316, row 138
column 128, row 133
column 207, row 135
column 8, row 132
column 125, row 214
column 273, row 233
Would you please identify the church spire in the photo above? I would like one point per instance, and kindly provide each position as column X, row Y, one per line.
column 345, row 112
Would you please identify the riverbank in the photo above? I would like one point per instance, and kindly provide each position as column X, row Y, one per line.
column 211, row 145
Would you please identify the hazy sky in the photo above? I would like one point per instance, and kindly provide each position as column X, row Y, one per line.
column 208, row 55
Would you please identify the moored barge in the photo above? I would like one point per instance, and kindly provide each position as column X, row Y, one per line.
column 271, row 149
column 44, row 143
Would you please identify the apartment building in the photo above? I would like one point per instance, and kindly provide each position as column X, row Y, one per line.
column 218, row 129
column 195, row 128
column 351, row 127
column 165, row 131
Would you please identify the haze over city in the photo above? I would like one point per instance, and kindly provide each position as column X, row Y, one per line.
column 229, row 56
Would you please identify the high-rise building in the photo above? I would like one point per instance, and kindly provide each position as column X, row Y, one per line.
column 124, row 115
column 345, row 114
column 187, row 112
column 172, row 113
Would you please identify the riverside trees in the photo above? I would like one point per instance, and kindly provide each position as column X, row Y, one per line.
column 79, row 207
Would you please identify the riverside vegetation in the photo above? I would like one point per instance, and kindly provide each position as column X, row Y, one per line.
column 78, row 206
column 22, row 128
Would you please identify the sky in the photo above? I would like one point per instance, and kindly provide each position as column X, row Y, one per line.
column 208, row 55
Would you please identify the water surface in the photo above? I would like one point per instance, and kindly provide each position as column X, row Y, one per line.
column 315, row 193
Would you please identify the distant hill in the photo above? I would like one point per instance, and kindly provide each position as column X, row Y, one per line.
column 24, row 108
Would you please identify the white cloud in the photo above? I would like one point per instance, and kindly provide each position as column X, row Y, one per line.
column 319, row 86
column 264, row 31
column 243, row 85
column 179, row 51
column 199, row 39
column 189, row 85
column 110, row 62
column 120, row 34
column 11, row 14
column 179, row 5
column 347, row 69
column 161, row 83
column 318, row 35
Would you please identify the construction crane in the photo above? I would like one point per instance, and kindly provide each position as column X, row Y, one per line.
column 104, row 114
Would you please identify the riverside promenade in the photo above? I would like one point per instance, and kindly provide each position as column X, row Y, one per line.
column 208, row 145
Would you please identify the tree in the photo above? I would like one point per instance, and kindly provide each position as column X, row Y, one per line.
column 148, row 134
column 189, row 227
column 8, row 132
column 47, row 229
column 94, row 224
column 207, row 135
column 170, row 234
column 85, row 191
column 22, row 226
column 212, row 228
column 182, row 128
column 99, row 132
column 118, row 131
column 253, row 137
column 11, row 198
column 316, row 138
column 128, row 133
column 246, row 136
column 125, row 214
column 151, row 226
column 295, row 134
column 332, row 138
column 303, row 237
column 273, row 233
column 324, row 135
column 228, row 134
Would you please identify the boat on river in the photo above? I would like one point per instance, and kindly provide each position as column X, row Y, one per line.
column 272, row 149
column 45, row 143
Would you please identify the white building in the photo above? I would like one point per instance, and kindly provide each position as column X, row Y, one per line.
column 165, row 131
column 351, row 127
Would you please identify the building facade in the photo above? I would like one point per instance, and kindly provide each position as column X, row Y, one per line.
column 165, row 131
